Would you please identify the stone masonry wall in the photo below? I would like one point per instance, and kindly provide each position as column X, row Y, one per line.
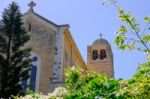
column 42, row 43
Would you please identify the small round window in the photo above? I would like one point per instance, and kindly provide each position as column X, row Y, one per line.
column 34, row 59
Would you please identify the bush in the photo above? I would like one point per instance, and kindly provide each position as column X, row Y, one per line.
column 58, row 93
column 89, row 85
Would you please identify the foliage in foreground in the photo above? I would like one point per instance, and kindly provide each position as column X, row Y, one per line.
column 89, row 85
column 95, row 86
column 58, row 93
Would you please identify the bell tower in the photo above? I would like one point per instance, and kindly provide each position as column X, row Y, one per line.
column 100, row 57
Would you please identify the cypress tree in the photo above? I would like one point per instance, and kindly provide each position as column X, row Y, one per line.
column 15, row 63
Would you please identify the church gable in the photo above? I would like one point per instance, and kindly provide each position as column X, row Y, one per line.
column 42, row 35
column 34, row 17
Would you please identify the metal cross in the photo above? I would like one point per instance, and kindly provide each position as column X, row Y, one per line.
column 100, row 35
column 31, row 5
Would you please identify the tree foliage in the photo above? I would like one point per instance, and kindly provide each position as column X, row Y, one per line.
column 131, row 35
column 89, row 85
column 14, row 61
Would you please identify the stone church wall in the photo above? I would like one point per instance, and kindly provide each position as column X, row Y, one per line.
column 42, row 43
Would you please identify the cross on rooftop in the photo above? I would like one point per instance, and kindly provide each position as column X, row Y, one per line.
column 100, row 35
column 31, row 5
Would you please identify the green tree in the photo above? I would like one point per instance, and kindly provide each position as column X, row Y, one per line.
column 14, row 59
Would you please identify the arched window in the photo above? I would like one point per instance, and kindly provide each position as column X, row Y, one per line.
column 95, row 55
column 32, row 83
column 102, row 54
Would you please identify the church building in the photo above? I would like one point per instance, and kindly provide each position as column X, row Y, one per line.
column 53, row 49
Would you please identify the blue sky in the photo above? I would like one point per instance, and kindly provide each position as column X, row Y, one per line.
column 89, row 18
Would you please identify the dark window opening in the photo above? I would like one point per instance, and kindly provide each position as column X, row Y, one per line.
column 102, row 54
column 29, row 29
column 33, row 78
column 95, row 55
column 54, row 73
column 55, row 48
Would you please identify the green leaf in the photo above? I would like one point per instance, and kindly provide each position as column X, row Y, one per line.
column 123, row 29
column 147, row 19
column 146, row 38
column 119, row 40
column 121, row 11
column 133, row 19
column 123, row 47
column 133, row 45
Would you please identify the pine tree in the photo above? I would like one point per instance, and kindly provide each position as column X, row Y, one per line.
column 14, row 58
